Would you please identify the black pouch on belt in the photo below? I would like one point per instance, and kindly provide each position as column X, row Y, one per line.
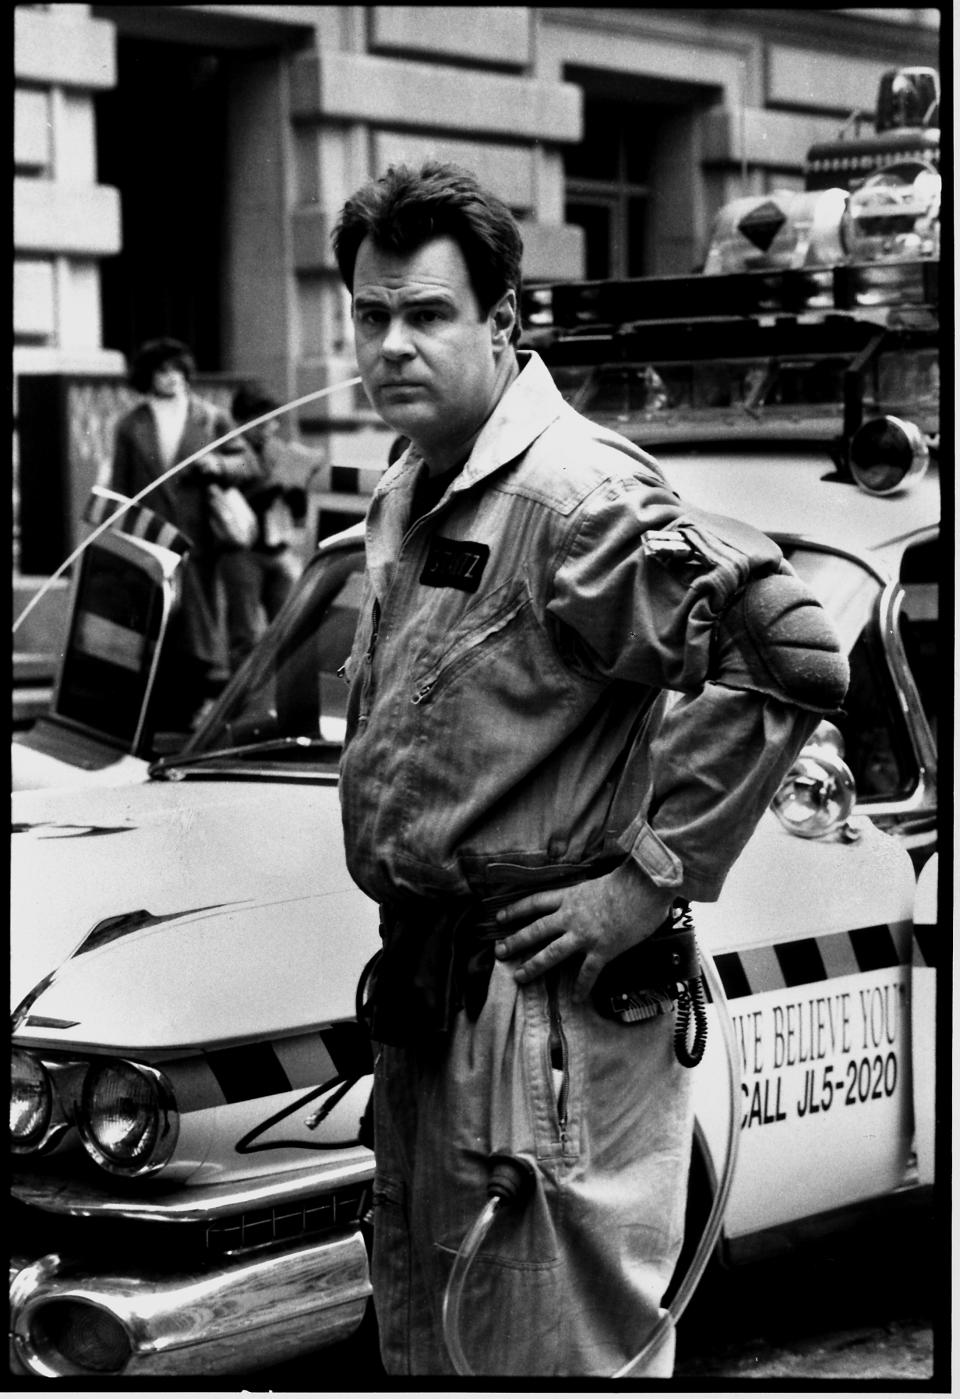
column 659, row 964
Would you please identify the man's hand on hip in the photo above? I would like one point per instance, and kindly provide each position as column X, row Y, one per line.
column 596, row 920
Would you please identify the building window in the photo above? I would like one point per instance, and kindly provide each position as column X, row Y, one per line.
column 607, row 180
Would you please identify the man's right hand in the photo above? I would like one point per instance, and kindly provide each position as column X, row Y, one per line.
column 596, row 920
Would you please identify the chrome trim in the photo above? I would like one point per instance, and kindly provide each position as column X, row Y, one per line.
column 891, row 605
column 924, row 795
column 51, row 1139
column 222, row 1320
column 59, row 1192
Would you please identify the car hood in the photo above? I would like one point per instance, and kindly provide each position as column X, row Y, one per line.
column 180, row 914
column 798, row 492
column 173, row 914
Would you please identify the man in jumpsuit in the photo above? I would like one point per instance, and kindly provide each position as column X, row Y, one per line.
column 525, row 807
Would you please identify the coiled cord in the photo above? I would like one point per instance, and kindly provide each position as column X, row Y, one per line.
column 691, row 1005
column 691, row 1001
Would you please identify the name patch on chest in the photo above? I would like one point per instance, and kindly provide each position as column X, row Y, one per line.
column 455, row 563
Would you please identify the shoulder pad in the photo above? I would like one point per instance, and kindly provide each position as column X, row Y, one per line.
column 777, row 639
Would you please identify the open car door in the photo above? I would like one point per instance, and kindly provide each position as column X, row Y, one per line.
column 124, row 591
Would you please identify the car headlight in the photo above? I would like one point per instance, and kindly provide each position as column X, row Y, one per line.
column 31, row 1101
column 128, row 1119
column 818, row 793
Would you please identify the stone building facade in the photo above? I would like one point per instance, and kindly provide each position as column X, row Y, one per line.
column 178, row 169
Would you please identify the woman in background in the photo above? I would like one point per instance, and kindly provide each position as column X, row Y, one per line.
column 169, row 424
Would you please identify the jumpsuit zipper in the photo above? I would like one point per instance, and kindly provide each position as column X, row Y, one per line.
column 374, row 631
column 377, row 613
column 465, row 649
column 557, row 1045
column 365, row 696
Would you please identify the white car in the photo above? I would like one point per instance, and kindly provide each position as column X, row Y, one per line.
column 189, row 1078
column 189, row 1081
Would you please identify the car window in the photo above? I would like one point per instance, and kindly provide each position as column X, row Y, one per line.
column 290, row 687
column 878, row 747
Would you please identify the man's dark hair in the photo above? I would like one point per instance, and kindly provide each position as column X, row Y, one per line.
column 153, row 355
column 406, row 208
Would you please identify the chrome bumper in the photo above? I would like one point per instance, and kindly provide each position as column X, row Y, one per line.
column 238, row 1317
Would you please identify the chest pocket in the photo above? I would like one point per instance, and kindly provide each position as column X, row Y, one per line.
column 480, row 629
column 480, row 713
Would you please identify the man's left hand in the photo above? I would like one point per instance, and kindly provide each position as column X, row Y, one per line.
column 596, row 920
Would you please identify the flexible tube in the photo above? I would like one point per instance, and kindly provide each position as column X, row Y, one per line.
column 467, row 1251
column 178, row 466
column 454, row 1290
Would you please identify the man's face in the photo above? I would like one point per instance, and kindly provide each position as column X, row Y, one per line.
column 433, row 367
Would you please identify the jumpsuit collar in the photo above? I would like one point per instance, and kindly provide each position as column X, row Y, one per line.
column 525, row 410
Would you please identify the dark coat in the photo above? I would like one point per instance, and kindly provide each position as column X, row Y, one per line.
column 183, row 502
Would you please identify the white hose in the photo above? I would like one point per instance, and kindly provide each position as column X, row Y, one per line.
column 179, row 466
column 458, row 1276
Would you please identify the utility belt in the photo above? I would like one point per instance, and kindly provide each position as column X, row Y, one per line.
column 438, row 956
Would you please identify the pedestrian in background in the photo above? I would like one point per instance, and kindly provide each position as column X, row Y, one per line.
column 258, row 580
column 526, row 809
column 171, row 423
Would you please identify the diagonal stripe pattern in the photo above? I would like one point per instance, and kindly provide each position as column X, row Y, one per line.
column 138, row 521
column 809, row 960
column 334, row 1052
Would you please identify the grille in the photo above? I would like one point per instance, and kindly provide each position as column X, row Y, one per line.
column 256, row 1229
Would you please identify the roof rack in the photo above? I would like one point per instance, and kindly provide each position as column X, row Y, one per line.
column 865, row 291
column 830, row 163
